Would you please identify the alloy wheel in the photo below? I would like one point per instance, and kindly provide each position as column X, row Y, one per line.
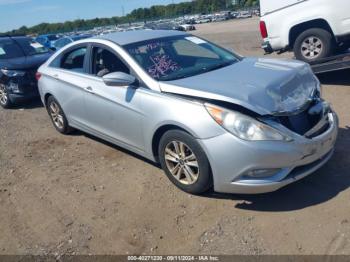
column 181, row 162
column 56, row 115
column 3, row 95
column 311, row 47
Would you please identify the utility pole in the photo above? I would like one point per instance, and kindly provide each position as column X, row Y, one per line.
column 123, row 11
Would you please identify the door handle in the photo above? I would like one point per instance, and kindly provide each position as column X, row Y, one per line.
column 56, row 76
column 89, row 90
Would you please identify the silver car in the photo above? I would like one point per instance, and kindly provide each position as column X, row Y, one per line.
column 211, row 118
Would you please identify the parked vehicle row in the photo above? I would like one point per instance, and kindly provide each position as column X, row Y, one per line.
column 211, row 118
column 67, row 40
column 47, row 40
column 57, row 41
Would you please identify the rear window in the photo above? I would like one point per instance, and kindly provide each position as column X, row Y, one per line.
column 9, row 49
column 31, row 47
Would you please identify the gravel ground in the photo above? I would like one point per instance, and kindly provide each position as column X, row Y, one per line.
column 79, row 195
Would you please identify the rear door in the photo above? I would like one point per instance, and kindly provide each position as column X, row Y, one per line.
column 67, row 83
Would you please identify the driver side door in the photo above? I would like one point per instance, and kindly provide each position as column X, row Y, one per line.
column 113, row 112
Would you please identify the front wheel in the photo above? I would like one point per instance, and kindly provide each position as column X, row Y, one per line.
column 4, row 97
column 184, row 162
column 313, row 44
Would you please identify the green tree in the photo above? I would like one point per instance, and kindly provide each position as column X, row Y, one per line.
column 139, row 14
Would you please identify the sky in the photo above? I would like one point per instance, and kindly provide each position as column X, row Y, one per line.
column 16, row 13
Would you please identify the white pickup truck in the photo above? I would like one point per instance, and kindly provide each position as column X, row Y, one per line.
column 313, row 29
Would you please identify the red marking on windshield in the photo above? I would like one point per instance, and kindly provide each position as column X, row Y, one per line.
column 162, row 66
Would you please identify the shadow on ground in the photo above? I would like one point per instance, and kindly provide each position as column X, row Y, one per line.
column 30, row 104
column 121, row 149
column 323, row 185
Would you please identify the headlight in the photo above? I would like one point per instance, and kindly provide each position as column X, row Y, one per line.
column 244, row 127
column 12, row 73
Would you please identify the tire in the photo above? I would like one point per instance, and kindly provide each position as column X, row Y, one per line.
column 313, row 44
column 5, row 101
column 193, row 173
column 57, row 116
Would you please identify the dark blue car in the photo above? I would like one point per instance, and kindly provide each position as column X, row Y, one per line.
column 20, row 58
column 47, row 40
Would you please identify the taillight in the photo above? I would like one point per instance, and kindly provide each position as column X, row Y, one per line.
column 37, row 76
column 263, row 29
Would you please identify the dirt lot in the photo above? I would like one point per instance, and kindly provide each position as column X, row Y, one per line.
column 78, row 195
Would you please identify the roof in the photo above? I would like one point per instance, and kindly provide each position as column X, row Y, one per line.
column 129, row 37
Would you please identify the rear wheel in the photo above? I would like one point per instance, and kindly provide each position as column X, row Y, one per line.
column 185, row 162
column 57, row 116
column 313, row 44
column 4, row 97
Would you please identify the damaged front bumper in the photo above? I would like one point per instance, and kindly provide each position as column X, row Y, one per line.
column 232, row 159
column 21, row 88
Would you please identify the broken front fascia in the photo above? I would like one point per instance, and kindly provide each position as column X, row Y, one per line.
column 266, row 87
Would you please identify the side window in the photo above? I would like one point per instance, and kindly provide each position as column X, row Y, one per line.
column 105, row 62
column 74, row 60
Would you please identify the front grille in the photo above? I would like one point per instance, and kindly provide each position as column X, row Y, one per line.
column 310, row 122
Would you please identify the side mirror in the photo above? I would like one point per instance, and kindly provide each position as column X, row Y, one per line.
column 118, row 79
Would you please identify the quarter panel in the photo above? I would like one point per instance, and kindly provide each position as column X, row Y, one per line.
column 68, row 89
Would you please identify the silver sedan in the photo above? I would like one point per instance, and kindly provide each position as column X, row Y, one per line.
column 211, row 118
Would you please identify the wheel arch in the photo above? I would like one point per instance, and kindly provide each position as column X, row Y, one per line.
column 296, row 30
column 46, row 97
column 160, row 131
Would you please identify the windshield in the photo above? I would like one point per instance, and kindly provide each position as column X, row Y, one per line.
column 31, row 47
column 178, row 57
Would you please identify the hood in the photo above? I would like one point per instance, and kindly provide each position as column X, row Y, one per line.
column 265, row 86
column 25, row 62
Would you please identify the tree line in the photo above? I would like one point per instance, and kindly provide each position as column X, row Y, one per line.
column 137, row 15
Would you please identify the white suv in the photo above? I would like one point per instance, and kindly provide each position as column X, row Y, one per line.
column 313, row 29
